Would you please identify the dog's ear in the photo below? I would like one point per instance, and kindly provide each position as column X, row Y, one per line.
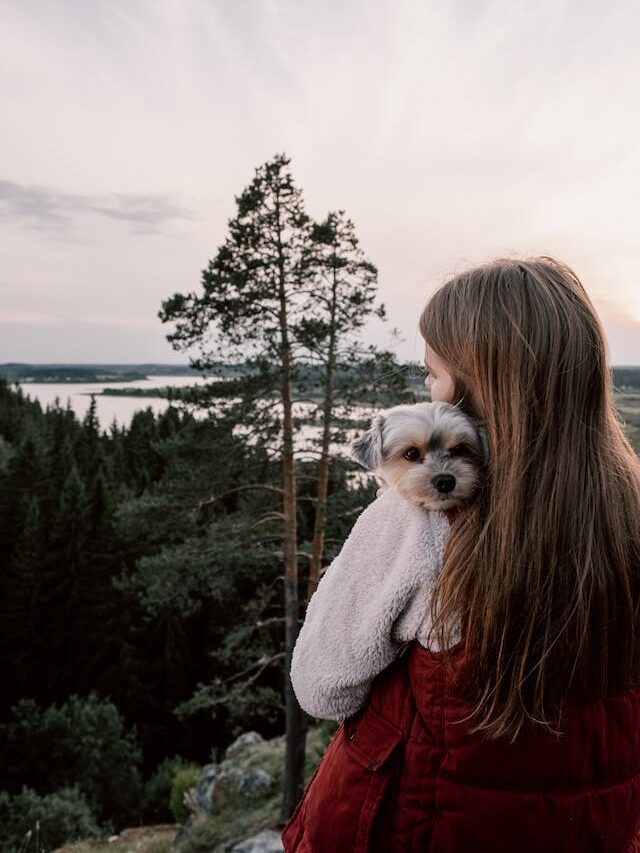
column 480, row 429
column 484, row 443
column 367, row 449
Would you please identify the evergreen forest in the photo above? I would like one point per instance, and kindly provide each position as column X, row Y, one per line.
column 141, row 615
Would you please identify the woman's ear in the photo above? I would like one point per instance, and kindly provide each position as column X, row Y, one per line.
column 367, row 449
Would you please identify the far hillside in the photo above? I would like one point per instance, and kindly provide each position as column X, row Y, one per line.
column 626, row 377
column 56, row 373
column 623, row 377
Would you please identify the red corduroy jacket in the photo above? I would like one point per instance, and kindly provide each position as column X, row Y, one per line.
column 404, row 775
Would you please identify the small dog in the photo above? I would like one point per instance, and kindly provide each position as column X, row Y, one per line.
column 432, row 453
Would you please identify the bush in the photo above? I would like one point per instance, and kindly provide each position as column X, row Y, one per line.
column 30, row 822
column 83, row 743
column 184, row 780
column 156, row 806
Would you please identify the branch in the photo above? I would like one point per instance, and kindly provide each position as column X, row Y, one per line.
column 215, row 498
column 262, row 662
column 272, row 620
column 268, row 516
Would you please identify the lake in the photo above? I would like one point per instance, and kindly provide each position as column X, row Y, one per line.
column 124, row 408
column 107, row 408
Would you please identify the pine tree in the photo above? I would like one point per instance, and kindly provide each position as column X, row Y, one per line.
column 25, row 492
column 143, row 464
column 89, row 439
column 70, row 525
column 255, row 292
column 344, row 300
column 21, row 616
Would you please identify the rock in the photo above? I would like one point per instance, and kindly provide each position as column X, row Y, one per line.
column 204, row 788
column 242, row 743
column 254, row 781
column 220, row 782
column 267, row 841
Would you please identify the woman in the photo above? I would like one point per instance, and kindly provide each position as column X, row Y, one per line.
column 523, row 735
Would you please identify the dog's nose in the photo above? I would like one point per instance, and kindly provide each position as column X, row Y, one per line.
column 444, row 483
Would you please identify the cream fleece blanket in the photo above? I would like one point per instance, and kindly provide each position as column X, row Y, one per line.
column 373, row 598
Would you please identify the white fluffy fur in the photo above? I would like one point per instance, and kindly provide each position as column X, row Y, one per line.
column 372, row 598
column 376, row 594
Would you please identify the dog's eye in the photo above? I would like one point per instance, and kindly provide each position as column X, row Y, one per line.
column 412, row 454
column 460, row 450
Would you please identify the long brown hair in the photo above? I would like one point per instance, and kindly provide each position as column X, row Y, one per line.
column 543, row 570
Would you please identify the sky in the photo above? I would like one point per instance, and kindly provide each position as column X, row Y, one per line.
column 450, row 132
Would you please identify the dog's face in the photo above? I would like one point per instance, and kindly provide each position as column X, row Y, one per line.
column 431, row 452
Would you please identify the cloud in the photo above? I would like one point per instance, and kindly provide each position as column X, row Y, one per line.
column 34, row 204
column 146, row 209
column 41, row 207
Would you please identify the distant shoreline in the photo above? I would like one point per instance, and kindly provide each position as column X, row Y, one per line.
column 624, row 376
column 76, row 374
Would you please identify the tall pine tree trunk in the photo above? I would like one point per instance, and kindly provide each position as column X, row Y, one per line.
column 294, row 728
column 295, row 733
column 317, row 547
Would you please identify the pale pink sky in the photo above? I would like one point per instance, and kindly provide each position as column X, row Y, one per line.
column 451, row 133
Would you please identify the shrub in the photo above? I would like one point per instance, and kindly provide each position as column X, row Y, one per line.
column 156, row 807
column 83, row 743
column 183, row 781
column 31, row 822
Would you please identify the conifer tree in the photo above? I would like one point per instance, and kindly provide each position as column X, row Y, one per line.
column 344, row 297
column 62, row 436
column 255, row 293
column 22, row 604
column 88, row 440
column 70, row 527
column 21, row 611
column 143, row 464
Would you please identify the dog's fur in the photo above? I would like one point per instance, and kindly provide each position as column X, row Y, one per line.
column 431, row 452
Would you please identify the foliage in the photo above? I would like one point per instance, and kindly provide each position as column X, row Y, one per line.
column 64, row 627
column 183, row 781
column 156, row 807
column 250, row 286
column 83, row 742
column 33, row 822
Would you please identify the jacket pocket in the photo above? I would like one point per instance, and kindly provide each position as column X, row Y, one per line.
column 343, row 798
column 372, row 743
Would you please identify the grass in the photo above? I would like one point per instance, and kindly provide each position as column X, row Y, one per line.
column 144, row 839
